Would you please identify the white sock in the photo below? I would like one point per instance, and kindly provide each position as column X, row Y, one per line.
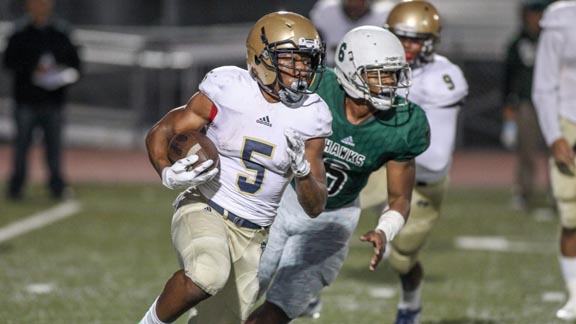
column 568, row 266
column 151, row 317
column 411, row 299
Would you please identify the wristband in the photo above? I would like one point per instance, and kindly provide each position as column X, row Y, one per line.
column 390, row 222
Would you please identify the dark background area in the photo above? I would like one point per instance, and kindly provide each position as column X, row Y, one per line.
column 162, row 12
column 134, row 95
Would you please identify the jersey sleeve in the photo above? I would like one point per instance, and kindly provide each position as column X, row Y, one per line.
column 418, row 135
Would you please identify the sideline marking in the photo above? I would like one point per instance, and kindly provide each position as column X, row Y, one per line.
column 38, row 220
column 553, row 297
column 40, row 288
column 496, row 243
column 382, row 292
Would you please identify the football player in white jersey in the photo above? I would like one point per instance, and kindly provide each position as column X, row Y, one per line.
column 555, row 101
column 334, row 18
column 372, row 127
column 439, row 87
column 269, row 127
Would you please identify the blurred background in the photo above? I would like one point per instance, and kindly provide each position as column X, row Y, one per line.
column 140, row 59
column 144, row 57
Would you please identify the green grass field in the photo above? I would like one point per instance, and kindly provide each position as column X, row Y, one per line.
column 107, row 263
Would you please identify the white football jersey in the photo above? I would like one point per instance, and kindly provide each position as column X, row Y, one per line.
column 332, row 23
column 249, row 134
column 439, row 87
column 555, row 69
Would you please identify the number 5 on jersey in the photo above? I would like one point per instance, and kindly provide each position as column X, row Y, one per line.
column 251, row 183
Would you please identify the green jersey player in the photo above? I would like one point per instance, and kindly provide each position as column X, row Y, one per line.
column 372, row 127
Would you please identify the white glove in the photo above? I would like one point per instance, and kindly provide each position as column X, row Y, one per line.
column 296, row 151
column 179, row 175
column 509, row 133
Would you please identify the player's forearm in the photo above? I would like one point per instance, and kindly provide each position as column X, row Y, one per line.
column 157, row 147
column 400, row 204
column 400, row 177
column 312, row 195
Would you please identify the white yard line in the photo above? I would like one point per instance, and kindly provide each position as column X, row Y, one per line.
column 497, row 243
column 39, row 220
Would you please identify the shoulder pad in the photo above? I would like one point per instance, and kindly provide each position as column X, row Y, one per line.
column 217, row 82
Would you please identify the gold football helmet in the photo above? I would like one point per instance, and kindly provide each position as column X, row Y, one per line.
column 284, row 33
column 417, row 19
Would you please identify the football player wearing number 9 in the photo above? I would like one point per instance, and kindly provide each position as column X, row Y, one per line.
column 372, row 127
column 269, row 128
column 439, row 87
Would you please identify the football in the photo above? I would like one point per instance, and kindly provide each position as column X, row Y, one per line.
column 192, row 142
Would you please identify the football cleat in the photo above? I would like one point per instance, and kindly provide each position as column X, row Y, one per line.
column 314, row 309
column 408, row 316
column 568, row 312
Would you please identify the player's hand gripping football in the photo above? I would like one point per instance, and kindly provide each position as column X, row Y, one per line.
column 378, row 239
column 181, row 174
column 296, row 151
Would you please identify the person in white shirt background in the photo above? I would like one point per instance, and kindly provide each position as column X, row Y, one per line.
column 555, row 101
column 334, row 18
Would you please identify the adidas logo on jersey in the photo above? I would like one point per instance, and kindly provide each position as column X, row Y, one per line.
column 348, row 141
column 264, row 121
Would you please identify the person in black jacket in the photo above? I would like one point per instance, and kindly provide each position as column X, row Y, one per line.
column 520, row 131
column 43, row 61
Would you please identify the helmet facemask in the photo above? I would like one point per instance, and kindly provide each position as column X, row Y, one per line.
column 284, row 58
column 371, row 65
column 428, row 46
column 303, row 63
column 370, row 81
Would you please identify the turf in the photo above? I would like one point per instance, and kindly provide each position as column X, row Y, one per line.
column 108, row 263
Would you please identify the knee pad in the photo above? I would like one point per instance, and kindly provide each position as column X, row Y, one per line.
column 200, row 240
column 209, row 265
column 412, row 238
column 567, row 212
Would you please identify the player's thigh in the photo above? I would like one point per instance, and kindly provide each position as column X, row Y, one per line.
column 246, row 247
column 234, row 302
column 564, row 183
column 200, row 239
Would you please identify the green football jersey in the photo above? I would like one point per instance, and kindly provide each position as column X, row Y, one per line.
column 353, row 152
